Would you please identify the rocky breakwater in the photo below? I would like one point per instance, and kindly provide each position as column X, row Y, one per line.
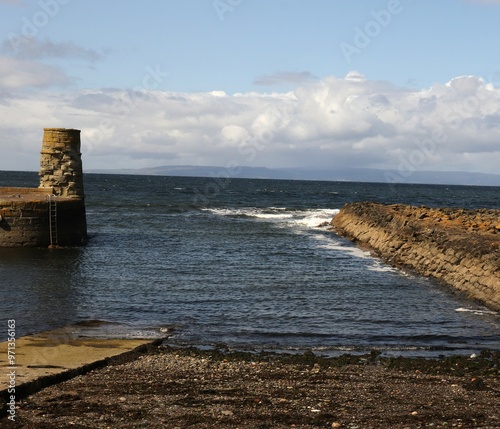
column 459, row 247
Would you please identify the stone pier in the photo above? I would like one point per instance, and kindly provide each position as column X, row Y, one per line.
column 54, row 213
column 456, row 246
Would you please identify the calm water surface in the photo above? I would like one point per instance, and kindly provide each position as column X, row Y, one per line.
column 243, row 263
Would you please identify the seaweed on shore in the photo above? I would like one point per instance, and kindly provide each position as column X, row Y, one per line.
column 487, row 363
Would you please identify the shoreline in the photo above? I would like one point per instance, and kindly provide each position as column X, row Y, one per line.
column 113, row 383
column 192, row 388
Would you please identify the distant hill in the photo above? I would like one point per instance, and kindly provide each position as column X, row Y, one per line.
column 347, row 174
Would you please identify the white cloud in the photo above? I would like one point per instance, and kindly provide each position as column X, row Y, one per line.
column 22, row 66
column 34, row 48
column 19, row 74
column 326, row 123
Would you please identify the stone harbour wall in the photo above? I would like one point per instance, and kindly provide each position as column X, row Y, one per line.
column 26, row 223
column 458, row 247
column 54, row 213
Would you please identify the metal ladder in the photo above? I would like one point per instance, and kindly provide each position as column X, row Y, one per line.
column 53, row 221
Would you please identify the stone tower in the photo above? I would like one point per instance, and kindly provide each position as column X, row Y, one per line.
column 52, row 215
column 61, row 162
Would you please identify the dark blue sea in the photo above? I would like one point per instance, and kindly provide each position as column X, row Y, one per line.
column 244, row 263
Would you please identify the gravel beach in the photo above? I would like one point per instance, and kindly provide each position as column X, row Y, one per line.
column 191, row 388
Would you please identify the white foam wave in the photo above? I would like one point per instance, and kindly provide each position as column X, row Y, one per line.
column 330, row 243
column 303, row 220
column 273, row 216
column 316, row 218
column 287, row 217
column 228, row 212
column 475, row 311
column 380, row 267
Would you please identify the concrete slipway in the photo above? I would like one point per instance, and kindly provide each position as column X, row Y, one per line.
column 50, row 357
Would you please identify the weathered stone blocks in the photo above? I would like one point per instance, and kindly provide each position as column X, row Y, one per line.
column 459, row 247
column 53, row 213
column 60, row 162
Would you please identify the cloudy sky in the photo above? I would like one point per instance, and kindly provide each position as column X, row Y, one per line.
column 387, row 84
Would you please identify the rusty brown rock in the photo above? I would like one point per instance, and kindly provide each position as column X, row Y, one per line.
column 459, row 247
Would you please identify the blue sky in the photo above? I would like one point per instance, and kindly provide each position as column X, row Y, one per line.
column 400, row 84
